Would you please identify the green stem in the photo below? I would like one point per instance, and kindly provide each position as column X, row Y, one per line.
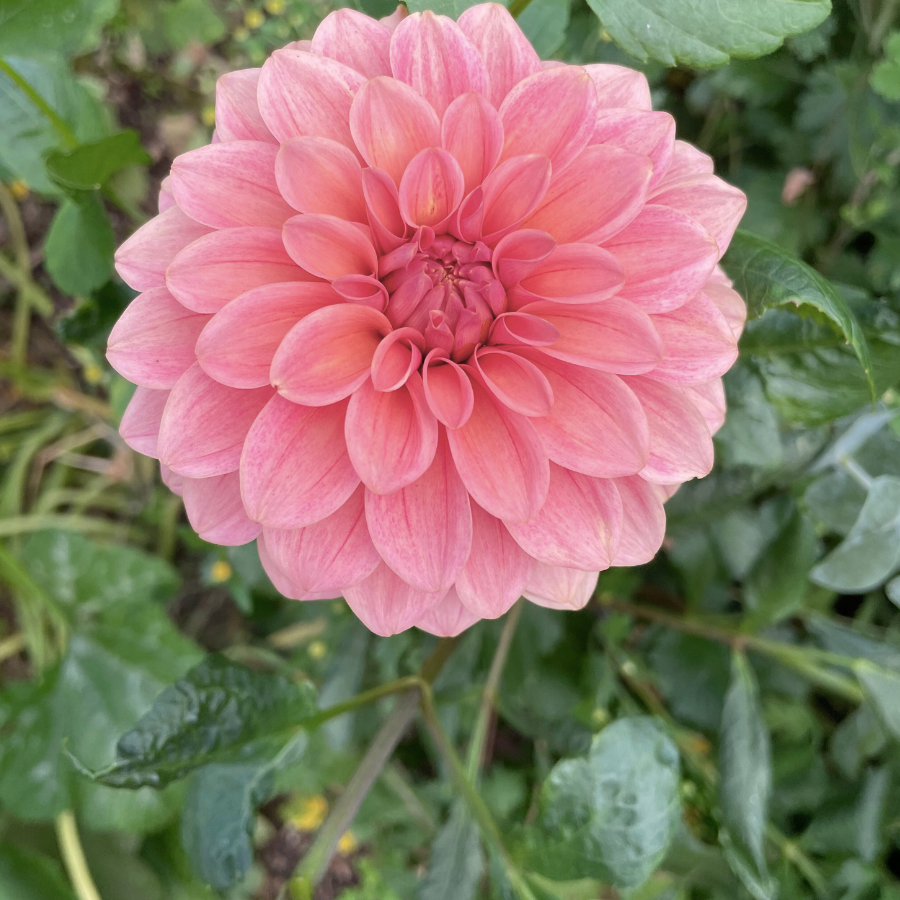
column 62, row 129
column 84, row 524
column 11, row 646
column 73, row 857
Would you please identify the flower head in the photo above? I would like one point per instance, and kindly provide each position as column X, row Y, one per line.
column 436, row 323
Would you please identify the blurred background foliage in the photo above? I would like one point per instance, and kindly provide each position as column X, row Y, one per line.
column 722, row 722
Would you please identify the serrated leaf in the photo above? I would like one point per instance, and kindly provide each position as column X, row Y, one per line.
column 26, row 875
column 705, row 33
column 457, row 860
column 883, row 688
column 612, row 816
column 79, row 249
column 91, row 165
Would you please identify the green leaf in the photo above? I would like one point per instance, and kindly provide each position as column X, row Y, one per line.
column 26, row 875
column 705, row 33
column 612, row 816
column 457, row 860
column 219, row 712
column 885, row 77
column 840, row 639
column 63, row 27
column 883, row 688
column 90, row 166
column 79, row 250
column 452, row 8
column 544, row 23
column 767, row 277
column 871, row 551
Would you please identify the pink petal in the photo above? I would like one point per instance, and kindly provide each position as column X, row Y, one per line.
column 165, row 200
column 204, row 425
column 215, row 511
column 383, row 205
column 514, row 381
column 356, row 41
column 643, row 522
column 391, row 123
column 650, row 134
column 729, row 303
column 220, row 266
column 396, row 358
column 448, row 391
column 551, row 113
column 329, row 247
column 153, row 342
column 391, row 435
column 448, row 618
column 363, row 289
column 140, row 421
column 573, row 273
column 237, row 345
column 431, row 187
column 497, row 568
column 395, row 18
column 472, row 132
column 680, row 444
column 317, row 175
column 302, row 93
column 614, row 336
column 619, row 86
column 143, row 259
column 709, row 398
column 519, row 254
column 512, row 191
column 237, row 112
column 688, row 160
column 295, row 469
column 523, row 329
column 424, row 530
column 506, row 52
column 557, row 587
column 172, row 480
column 500, row 458
column 229, row 185
column 597, row 426
column 281, row 582
column 436, row 59
column 579, row 206
column 666, row 257
column 698, row 343
column 327, row 355
column 578, row 526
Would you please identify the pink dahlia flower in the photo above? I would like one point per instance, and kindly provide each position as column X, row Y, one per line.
column 435, row 323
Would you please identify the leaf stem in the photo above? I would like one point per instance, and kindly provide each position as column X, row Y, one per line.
column 62, row 129
column 73, row 857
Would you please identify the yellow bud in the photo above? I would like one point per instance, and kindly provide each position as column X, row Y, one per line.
column 347, row 844
column 220, row 571
column 253, row 18
column 318, row 649
column 241, row 34
column 18, row 188
column 208, row 116
column 93, row 374
column 309, row 814
column 275, row 7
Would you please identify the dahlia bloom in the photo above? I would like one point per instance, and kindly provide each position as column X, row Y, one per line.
column 435, row 323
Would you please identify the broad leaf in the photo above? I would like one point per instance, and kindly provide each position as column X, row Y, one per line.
column 64, row 27
column 79, row 250
column 883, row 688
column 90, row 166
column 544, row 23
column 457, row 860
column 26, row 875
column 452, row 8
column 705, row 33
column 841, row 639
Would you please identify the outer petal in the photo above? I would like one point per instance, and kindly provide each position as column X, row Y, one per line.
column 391, row 435
column 153, row 342
column 237, row 345
column 204, row 425
column 172, row 480
column 729, row 303
column 709, row 398
column 329, row 247
column 355, row 40
column 558, row 588
column 140, row 422
column 388, row 605
column 215, row 511
column 448, row 617
column 282, row 583
column 237, row 112
column 424, row 530
column 220, row 266
column 688, row 160
column 506, row 51
column 650, row 134
column 572, row 273
column 472, row 132
column 229, row 185
column 619, row 86
column 165, row 200
column 295, row 469
column 643, row 522
column 497, row 568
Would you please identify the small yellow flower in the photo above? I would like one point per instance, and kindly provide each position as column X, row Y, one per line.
column 19, row 189
column 220, row 571
column 93, row 374
column 309, row 814
column 275, row 7
column 318, row 649
column 208, row 115
column 347, row 844
column 241, row 34
column 253, row 18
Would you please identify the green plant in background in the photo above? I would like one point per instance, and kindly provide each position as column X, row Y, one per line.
column 724, row 721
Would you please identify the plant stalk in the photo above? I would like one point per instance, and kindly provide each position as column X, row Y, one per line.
column 73, row 857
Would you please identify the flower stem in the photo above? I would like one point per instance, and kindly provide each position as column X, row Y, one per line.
column 73, row 857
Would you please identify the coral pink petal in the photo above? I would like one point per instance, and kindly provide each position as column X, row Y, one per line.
column 643, row 522
column 165, row 200
column 551, row 113
column 424, row 530
column 472, row 132
column 281, row 582
column 215, row 511
column 140, row 421
column 619, row 86
column 237, row 345
column 688, row 160
column 355, row 40
column 650, row 134
column 497, row 569
column 614, row 336
column 680, row 444
column 666, row 257
column 328, row 355
column 391, row 435
column 514, row 381
column 305, row 94
column 391, row 123
column 448, row 391
column 229, row 185
column 500, row 458
column 204, row 425
column 386, row 604
column 152, row 344
column 172, row 480
column 579, row 206
column 432, row 55
column 383, row 204
column 578, row 526
column 506, row 51
column 329, row 247
column 512, row 191
column 597, row 426
column 295, row 469
column 431, row 188
column 698, row 343
column 709, row 398
column 447, row 618
column 318, row 175
column 557, row 587
column 395, row 18
column 729, row 303
column 523, row 329
column 219, row 266
column 572, row 273
column 518, row 254
column 237, row 112
column 396, row 358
